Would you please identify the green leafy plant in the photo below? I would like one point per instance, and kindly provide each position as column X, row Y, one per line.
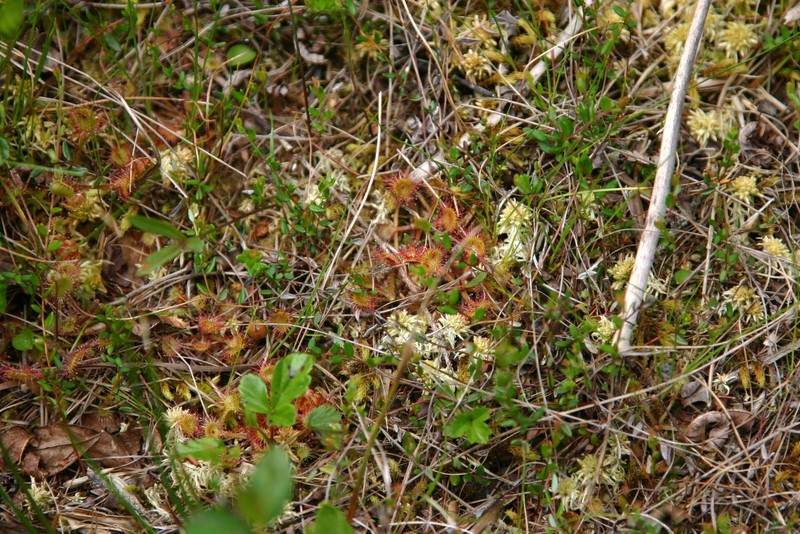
column 472, row 425
column 257, row 505
column 327, row 422
column 261, row 501
column 209, row 449
column 330, row 520
column 290, row 379
column 183, row 243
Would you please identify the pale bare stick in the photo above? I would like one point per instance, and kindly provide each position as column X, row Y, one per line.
column 634, row 294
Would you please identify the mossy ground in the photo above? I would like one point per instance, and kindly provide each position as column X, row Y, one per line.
column 193, row 191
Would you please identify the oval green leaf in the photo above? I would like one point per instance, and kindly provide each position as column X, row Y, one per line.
column 24, row 340
column 240, row 54
column 207, row 449
column 155, row 226
column 215, row 521
column 254, row 393
column 160, row 257
column 330, row 520
column 682, row 275
column 269, row 489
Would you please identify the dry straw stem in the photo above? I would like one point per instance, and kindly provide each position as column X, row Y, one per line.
column 634, row 294
column 364, row 198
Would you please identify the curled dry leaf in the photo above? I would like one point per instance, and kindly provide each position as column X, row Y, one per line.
column 694, row 392
column 742, row 419
column 711, row 430
column 55, row 445
column 310, row 57
column 14, row 440
column 761, row 144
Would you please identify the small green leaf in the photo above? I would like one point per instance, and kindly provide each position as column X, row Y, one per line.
column 539, row 135
column 620, row 11
column 5, row 150
column 291, row 378
column 215, row 521
column 423, row 224
column 206, row 449
column 324, row 419
column 472, row 425
column 606, row 104
column 11, row 17
column 24, row 340
column 330, row 520
column 112, row 42
column 480, row 277
column 240, row 54
column 254, row 394
column 566, row 125
column 682, row 275
column 523, row 183
column 269, row 489
column 323, row 6
column 155, row 226
column 453, row 297
column 195, row 244
column 154, row 261
column 284, row 415
column 551, row 148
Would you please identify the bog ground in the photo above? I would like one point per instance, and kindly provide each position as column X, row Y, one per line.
column 337, row 266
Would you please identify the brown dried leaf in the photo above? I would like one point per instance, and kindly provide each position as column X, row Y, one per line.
column 15, row 440
column 125, row 258
column 54, row 448
column 57, row 450
column 130, row 441
column 761, row 145
column 112, row 448
column 107, row 451
column 32, row 465
column 742, row 419
column 101, row 423
column 694, row 392
column 174, row 320
column 718, row 436
column 116, row 451
column 710, row 429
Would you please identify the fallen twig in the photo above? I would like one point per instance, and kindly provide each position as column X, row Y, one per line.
column 634, row 294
